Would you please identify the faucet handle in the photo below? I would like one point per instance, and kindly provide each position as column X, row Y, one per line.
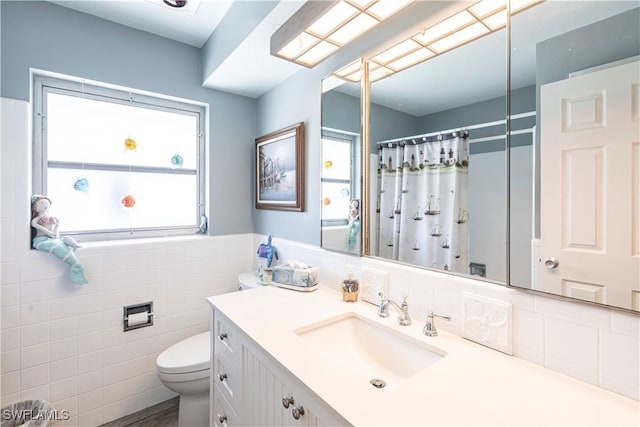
column 447, row 318
column 430, row 329
column 404, row 318
column 383, row 309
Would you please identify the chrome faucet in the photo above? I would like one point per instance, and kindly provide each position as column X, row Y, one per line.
column 430, row 329
column 403, row 310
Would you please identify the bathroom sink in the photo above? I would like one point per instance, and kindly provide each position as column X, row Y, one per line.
column 370, row 350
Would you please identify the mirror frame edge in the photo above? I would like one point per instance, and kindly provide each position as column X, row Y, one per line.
column 364, row 154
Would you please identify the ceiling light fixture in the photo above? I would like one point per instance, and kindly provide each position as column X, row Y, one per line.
column 318, row 29
column 175, row 3
column 475, row 21
column 183, row 7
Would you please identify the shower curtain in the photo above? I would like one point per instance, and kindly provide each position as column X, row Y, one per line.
column 423, row 204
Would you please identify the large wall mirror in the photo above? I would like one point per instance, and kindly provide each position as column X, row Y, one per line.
column 438, row 146
column 575, row 182
column 341, row 165
column 446, row 165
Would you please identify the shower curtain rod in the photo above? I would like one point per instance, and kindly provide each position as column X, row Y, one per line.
column 476, row 126
column 503, row 136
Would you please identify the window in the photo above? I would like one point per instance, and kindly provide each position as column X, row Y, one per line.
column 338, row 175
column 118, row 163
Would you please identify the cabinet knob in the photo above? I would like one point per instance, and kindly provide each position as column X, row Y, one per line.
column 222, row 419
column 286, row 401
column 222, row 377
column 222, row 336
column 297, row 412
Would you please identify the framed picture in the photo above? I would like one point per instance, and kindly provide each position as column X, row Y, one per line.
column 280, row 170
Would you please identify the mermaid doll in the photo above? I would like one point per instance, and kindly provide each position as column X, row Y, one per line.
column 46, row 238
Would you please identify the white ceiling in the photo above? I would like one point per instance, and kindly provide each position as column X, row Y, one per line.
column 251, row 70
column 238, row 73
column 154, row 17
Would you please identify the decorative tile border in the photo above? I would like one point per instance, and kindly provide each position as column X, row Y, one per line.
column 487, row 322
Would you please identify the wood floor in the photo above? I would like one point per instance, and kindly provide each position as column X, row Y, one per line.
column 164, row 414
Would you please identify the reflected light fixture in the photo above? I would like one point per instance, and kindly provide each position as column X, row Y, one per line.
column 350, row 72
column 477, row 20
column 319, row 28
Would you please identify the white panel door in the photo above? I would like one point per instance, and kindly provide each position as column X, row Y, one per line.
column 590, row 186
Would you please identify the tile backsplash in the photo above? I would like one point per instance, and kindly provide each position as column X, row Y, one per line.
column 593, row 344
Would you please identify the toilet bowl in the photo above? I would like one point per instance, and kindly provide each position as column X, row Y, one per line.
column 184, row 368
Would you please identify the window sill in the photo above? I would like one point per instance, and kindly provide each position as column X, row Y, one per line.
column 144, row 241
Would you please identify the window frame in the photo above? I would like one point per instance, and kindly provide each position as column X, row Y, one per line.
column 44, row 83
column 353, row 139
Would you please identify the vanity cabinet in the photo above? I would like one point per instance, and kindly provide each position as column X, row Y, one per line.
column 251, row 388
column 224, row 384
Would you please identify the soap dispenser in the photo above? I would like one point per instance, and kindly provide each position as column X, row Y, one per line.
column 350, row 287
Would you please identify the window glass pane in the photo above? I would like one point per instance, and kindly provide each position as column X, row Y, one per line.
column 336, row 159
column 161, row 200
column 89, row 131
column 96, row 148
column 335, row 200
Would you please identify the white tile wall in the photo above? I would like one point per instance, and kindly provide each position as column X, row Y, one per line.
column 594, row 344
column 69, row 347
column 65, row 343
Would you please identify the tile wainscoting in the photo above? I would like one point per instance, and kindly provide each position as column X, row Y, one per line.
column 65, row 343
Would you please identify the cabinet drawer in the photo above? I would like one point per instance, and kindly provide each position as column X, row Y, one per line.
column 226, row 378
column 225, row 337
column 223, row 415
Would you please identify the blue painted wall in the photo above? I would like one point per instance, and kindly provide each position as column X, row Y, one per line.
column 52, row 38
column 296, row 100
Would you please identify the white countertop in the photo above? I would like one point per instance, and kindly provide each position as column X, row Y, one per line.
column 471, row 385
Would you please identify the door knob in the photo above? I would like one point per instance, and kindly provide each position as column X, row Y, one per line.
column 551, row 263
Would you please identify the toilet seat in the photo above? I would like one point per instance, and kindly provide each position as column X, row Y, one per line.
column 189, row 356
column 184, row 377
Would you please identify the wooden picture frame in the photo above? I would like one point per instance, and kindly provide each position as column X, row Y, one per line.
column 280, row 170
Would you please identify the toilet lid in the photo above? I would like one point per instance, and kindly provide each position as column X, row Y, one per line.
column 189, row 355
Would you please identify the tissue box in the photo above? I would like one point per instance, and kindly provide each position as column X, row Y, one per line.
column 301, row 277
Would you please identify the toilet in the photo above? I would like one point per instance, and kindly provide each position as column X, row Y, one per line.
column 184, row 368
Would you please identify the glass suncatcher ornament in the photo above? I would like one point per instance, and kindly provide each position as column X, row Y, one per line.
column 177, row 160
column 128, row 201
column 81, row 184
column 130, row 144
